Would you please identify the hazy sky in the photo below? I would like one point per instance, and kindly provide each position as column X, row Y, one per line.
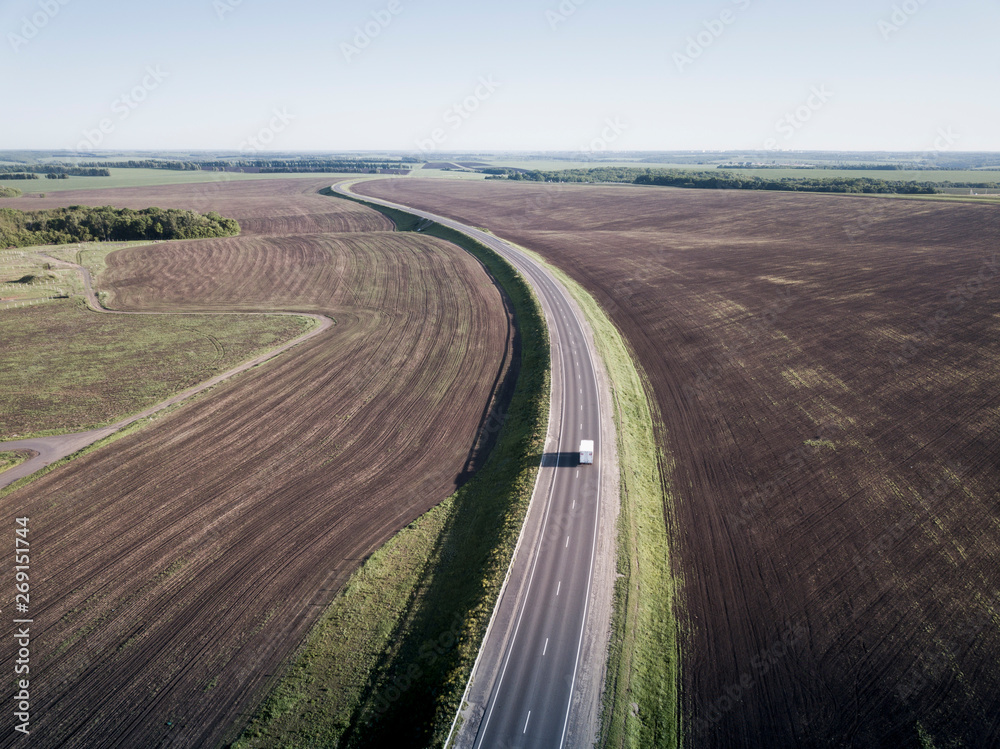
column 522, row 74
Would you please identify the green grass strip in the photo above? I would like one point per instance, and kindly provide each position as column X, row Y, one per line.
column 10, row 460
column 387, row 663
column 641, row 708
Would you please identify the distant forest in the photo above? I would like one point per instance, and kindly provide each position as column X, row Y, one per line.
column 108, row 224
column 721, row 180
column 11, row 172
column 263, row 166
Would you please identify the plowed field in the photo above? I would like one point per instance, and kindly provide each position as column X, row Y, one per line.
column 827, row 372
column 174, row 571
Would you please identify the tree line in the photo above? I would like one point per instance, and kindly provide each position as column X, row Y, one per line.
column 10, row 192
column 841, row 167
column 720, row 180
column 108, row 224
column 266, row 166
column 69, row 171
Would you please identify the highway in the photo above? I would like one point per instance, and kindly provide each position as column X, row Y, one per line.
column 528, row 674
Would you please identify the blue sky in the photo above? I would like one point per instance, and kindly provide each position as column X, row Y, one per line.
column 521, row 75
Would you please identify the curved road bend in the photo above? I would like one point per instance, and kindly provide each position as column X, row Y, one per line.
column 527, row 677
column 51, row 449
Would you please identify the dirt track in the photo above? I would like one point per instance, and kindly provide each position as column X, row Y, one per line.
column 173, row 574
column 49, row 450
column 834, row 442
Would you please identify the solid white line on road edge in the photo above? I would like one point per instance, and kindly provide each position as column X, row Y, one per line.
column 526, row 594
column 546, row 646
column 558, row 587
column 528, row 268
column 593, row 545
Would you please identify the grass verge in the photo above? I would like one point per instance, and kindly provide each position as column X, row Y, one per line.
column 641, row 707
column 10, row 460
column 388, row 661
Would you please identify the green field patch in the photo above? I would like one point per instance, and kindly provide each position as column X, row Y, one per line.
column 12, row 459
column 65, row 368
column 143, row 178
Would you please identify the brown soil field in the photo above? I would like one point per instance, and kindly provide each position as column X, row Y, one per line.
column 289, row 207
column 827, row 373
column 175, row 571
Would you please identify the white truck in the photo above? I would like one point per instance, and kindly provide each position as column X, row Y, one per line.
column 586, row 452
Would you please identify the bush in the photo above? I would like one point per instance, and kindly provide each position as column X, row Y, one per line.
column 88, row 224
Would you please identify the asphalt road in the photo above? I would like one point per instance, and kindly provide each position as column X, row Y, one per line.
column 526, row 677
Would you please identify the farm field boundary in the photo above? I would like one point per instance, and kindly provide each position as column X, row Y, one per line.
column 392, row 654
column 62, row 444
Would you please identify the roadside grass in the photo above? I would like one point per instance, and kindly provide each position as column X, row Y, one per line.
column 387, row 663
column 10, row 460
column 644, row 656
column 65, row 368
column 26, row 275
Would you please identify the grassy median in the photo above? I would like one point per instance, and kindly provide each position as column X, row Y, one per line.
column 387, row 663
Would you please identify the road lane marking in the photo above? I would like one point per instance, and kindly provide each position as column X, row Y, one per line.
column 550, row 286
column 558, row 587
column 546, row 646
column 567, row 542
column 526, row 597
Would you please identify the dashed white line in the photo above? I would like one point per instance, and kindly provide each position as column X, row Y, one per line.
column 567, row 542
column 526, row 723
column 546, row 646
column 558, row 587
